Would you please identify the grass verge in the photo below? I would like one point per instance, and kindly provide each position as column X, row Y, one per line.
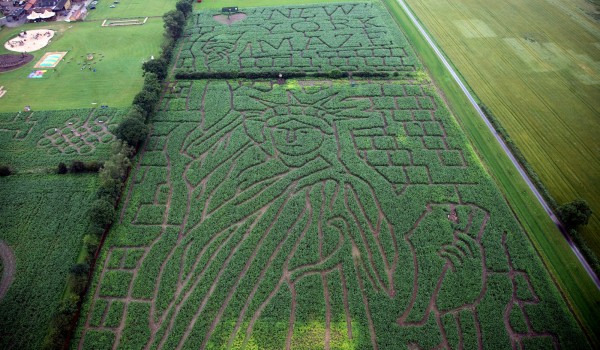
column 571, row 278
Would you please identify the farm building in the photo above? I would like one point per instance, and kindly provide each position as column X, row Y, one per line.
column 54, row 5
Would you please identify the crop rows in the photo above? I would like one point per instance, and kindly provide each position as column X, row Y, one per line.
column 348, row 37
column 316, row 216
column 43, row 222
column 42, row 138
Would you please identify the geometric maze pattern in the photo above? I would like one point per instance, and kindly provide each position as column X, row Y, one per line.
column 79, row 135
column 316, row 216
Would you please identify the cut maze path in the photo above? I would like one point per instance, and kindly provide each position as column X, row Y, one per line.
column 8, row 268
column 347, row 217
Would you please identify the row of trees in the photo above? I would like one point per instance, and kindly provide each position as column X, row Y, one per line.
column 133, row 129
column 131, row 133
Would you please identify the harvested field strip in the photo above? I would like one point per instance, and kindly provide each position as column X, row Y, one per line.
column 540, row 77
column 578, row 290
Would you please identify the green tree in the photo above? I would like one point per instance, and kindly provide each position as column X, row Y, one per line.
column 146, row 101
column 136, row 111
column 132, row 131
column 102, row 213
column 115, row 168
column 62, row 168
column 157, row 66
column 152, row 84
column 174, row 21
column 575, row 213
column 5, row 170
column 184, row 6
column 80, row 269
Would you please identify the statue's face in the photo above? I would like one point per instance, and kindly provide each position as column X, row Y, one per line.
column 295, row 138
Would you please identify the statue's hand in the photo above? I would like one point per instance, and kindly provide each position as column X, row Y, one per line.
column 465, row 271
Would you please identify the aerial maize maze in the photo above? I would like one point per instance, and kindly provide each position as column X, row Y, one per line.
column 45, row 138
column 316, row 214
column 350, row 37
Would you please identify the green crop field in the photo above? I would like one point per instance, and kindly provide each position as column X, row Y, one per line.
column 349, row 37
column 218, row 4
column 572, row 279
column 536, row 64
column 118, row 53
column 31, row 140
column 44, row 216
column 43, row 222
column 316, row 215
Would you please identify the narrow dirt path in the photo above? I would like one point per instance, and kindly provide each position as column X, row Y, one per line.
column 8, row 264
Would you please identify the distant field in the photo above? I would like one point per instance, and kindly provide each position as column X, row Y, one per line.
column 130, row 8
column 349, row 37
column 42, row 139
column 537, row 65
column 43, row 220
column 118, row 53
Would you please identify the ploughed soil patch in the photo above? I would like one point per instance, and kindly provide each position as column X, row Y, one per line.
column 7, row 258
column 9, row 62
column 236, row 17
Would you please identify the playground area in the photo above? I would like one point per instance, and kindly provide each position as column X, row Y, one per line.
column 29, row 41
column 50, row 59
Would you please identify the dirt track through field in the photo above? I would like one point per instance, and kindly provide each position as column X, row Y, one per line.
column 8, row 272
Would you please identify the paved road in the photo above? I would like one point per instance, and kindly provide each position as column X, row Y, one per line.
column 517, row 165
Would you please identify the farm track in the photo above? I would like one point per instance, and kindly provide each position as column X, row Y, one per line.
column 505, row 148
column 9, row 266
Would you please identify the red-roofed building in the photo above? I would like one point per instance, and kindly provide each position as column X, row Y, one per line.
column 30, row 4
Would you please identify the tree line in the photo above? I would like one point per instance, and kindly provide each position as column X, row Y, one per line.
column 131, row 133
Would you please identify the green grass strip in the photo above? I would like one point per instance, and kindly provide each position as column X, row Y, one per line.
column 572, row 280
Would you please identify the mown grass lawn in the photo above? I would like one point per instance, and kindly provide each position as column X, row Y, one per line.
column 130, row 8
column 118, row 55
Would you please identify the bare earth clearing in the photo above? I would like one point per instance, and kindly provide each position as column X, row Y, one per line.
column 8, row 268
column 32, row 41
